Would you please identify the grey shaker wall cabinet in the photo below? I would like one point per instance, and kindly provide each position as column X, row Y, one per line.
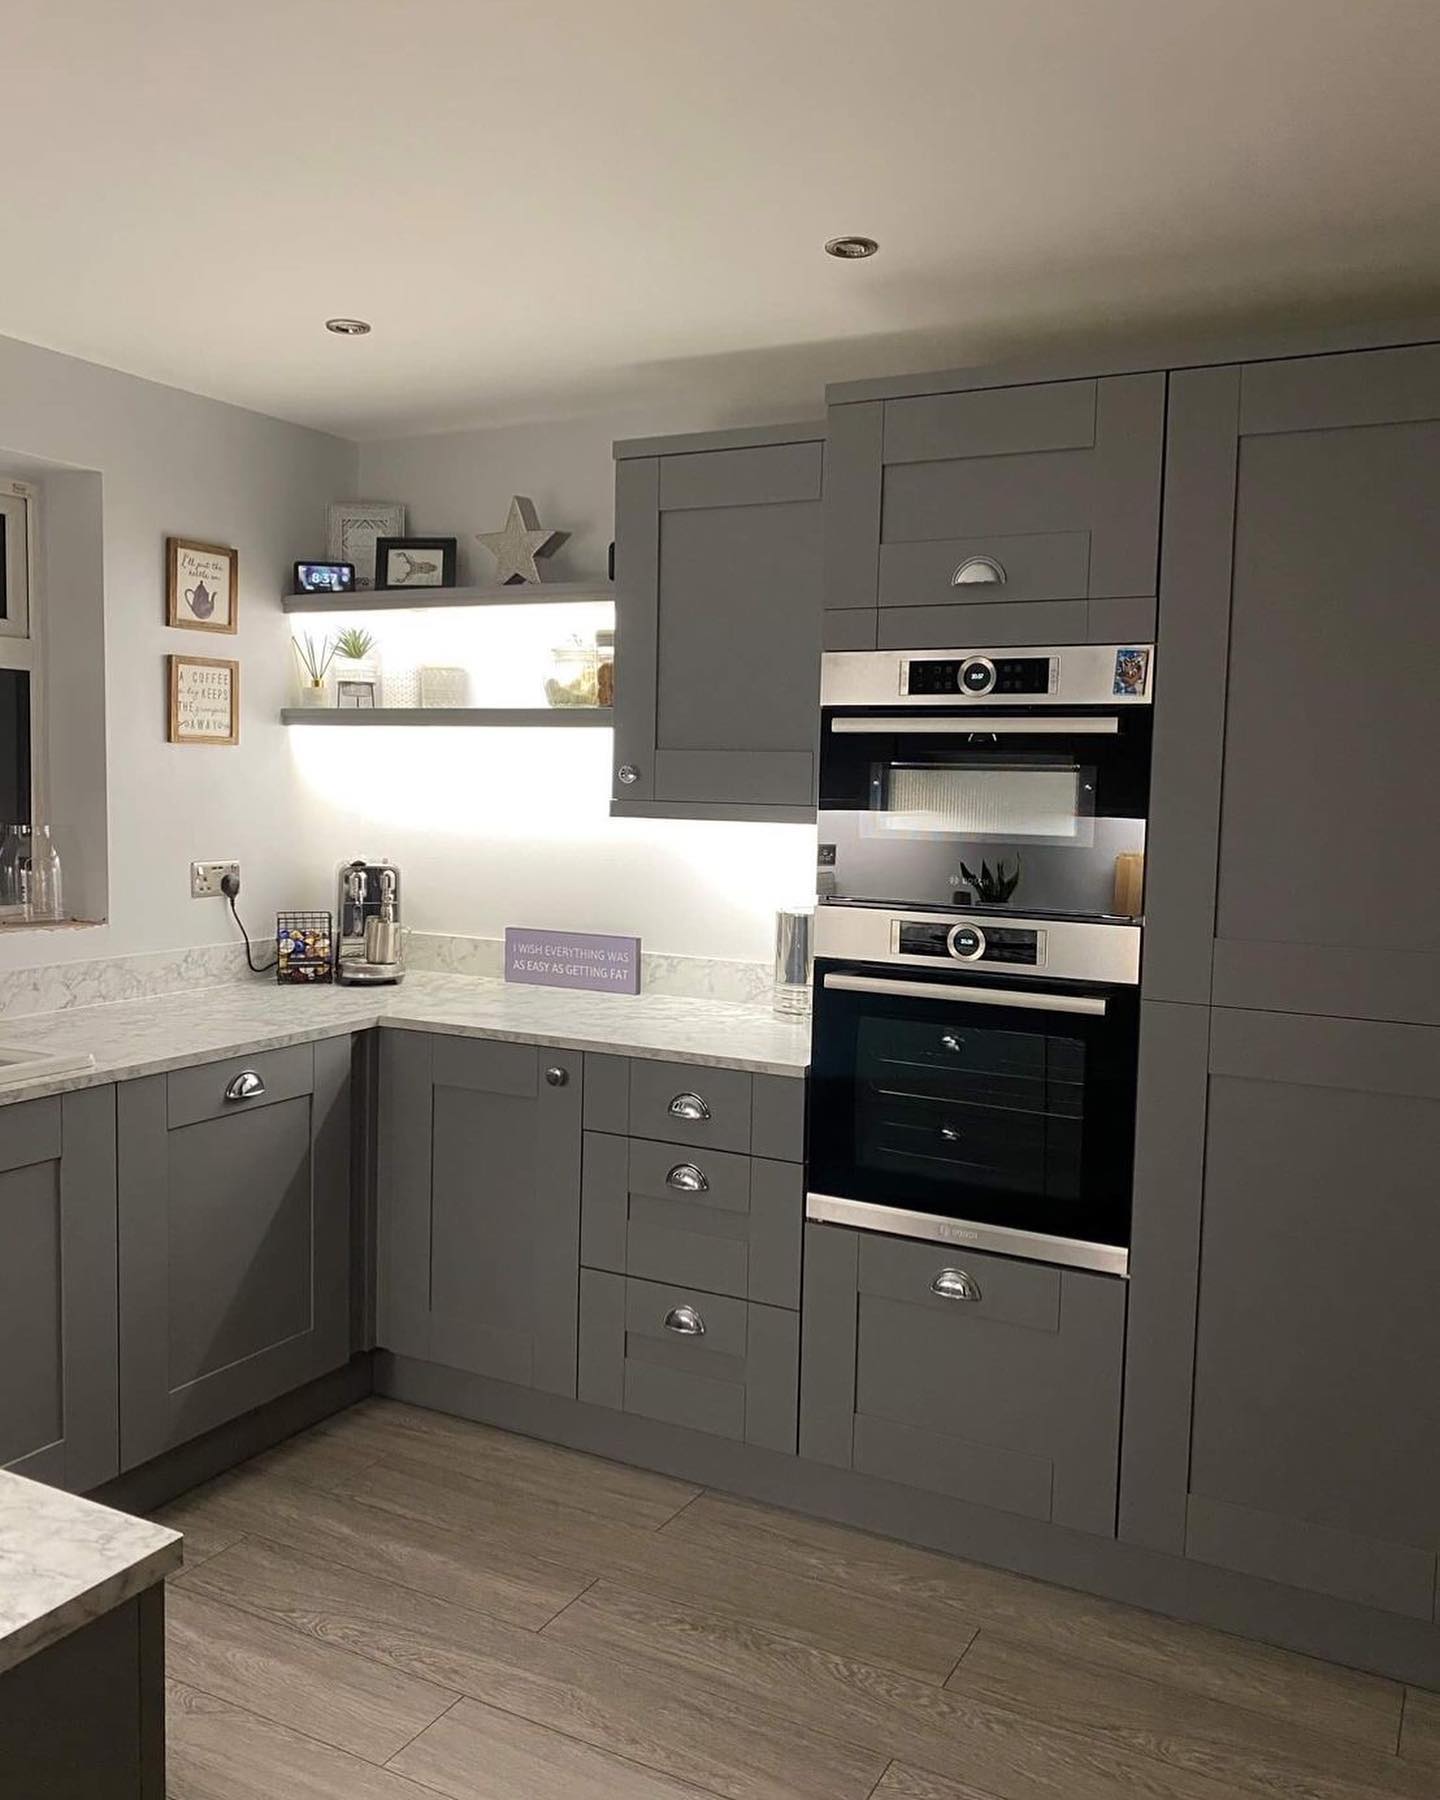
column 479, row 1206
column 1300, row 639
column 985, row 1379
column 58, row 1391
column 718, row 569
column 235, row 1237
column 1004, row 515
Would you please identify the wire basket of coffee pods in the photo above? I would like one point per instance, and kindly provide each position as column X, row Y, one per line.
column 304, row 948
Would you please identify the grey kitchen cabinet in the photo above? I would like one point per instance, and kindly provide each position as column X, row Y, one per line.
column 696, row 1104
column 688, row 1357
column 1019, row 514
column 59, row 1417
column 982, row 1378
column 710, row 1219
column 1293, row 858
column 1314, row 1454
column 234, row 1238
column 718, row 571
column 479, row 1206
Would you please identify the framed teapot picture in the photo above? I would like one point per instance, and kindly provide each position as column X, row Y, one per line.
column 202, row 586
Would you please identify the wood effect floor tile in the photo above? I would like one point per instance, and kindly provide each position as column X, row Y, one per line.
column 1301, row 1689
column 477, row 1753
column 749, row 1746
column 218, row 1751
column 516, row 1579
column 905, row 1636
column 1227, row 1742
column 1420, row 1735
column 902, row 1783
column 518, row 1464
column 1012, row 1756
column 296, row 1680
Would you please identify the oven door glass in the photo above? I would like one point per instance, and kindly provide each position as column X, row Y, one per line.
column 1042, row 821
column 999, row 1114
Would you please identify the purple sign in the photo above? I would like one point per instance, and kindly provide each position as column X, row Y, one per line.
column 573, row 959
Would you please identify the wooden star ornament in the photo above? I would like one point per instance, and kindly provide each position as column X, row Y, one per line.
column 523, row 540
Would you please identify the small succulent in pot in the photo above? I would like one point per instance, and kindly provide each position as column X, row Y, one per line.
column 354, row 644
column 993, row 887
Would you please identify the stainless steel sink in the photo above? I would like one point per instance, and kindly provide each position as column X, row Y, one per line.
column 19, row 1062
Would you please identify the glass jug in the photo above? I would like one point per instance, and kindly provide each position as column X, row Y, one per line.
column 31, row 879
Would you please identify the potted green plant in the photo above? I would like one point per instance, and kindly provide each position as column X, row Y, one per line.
column 314, row 660
column 356, row 659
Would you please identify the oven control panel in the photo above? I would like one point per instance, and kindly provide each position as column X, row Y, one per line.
column 1013, row 676
column 990, row 944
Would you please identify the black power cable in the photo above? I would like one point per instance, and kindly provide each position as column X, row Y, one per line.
column 230, row 887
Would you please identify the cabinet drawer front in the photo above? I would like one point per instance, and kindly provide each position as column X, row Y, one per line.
column 1056, row 415
column 215, row 1090
column 1011, row 1293
column 684, row 1103
column 1041, row 565
column 660, row 1173
column 738, row 1378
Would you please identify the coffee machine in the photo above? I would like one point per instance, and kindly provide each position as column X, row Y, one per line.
column 368, row 942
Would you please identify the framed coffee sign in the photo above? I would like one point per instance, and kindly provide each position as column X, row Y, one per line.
column 204, row 700
column 201, row 585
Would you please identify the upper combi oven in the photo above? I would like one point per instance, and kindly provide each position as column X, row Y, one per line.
column 987, row 780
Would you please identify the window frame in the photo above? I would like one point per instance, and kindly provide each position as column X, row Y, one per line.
column 22, row 638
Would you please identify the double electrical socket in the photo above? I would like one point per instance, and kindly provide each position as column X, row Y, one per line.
column 205, row 879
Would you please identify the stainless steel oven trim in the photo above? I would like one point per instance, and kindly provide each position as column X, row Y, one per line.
column 1003, row 1240
column 964, row 994
column 1080, row 675
column 1072, row 949
column 1041, row 725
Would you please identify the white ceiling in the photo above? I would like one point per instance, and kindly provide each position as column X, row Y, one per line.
column 553, row 206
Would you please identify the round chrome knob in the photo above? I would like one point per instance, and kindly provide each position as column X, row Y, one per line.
column 628, row 774
column 965, row 941
column 557, row 1077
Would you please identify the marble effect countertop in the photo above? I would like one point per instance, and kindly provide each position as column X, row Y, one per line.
column 66, row 1561
column 146, row 1037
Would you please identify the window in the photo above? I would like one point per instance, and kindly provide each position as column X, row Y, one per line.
column 17, row 654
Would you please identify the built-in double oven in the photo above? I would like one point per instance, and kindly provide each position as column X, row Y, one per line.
column 982, row 846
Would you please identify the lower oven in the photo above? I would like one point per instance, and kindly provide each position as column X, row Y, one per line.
column 974, row 1083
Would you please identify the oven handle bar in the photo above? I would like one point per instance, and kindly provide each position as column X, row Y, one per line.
column 1091, row 1004
column 977, row 725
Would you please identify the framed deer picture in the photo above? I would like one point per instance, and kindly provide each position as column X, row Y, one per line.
column 201, row 586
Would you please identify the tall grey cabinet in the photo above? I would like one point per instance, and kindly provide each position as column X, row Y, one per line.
column 718, row 569
column 234, row 1225
column 1286, row 1223
column 58, row 1395
column 479, row 1206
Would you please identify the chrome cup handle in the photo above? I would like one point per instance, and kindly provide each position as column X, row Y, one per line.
column 685, row 1320
column 982, row 569
column 685, row 1178
column 247, row 1085
column 955, row 1284
column 690, row 1107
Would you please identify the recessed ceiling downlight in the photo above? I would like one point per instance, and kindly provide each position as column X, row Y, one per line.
column 850, row 249
column 347, row 327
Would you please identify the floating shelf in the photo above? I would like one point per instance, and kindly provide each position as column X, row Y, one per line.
column 552, row 593
column 448, row 715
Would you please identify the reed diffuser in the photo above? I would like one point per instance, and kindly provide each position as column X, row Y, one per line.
column 315, row 660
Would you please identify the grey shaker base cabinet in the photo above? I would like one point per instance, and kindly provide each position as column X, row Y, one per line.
column 718, row 569
column 479, row 1205
column 1406, row 1649
column 85, row 1718
column 993, row 1381
column 1315, row 1438
column 234, row 1238
column 685, row 1357
column 59, row 1401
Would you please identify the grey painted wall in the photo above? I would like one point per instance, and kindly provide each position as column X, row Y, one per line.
column 144, row 461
